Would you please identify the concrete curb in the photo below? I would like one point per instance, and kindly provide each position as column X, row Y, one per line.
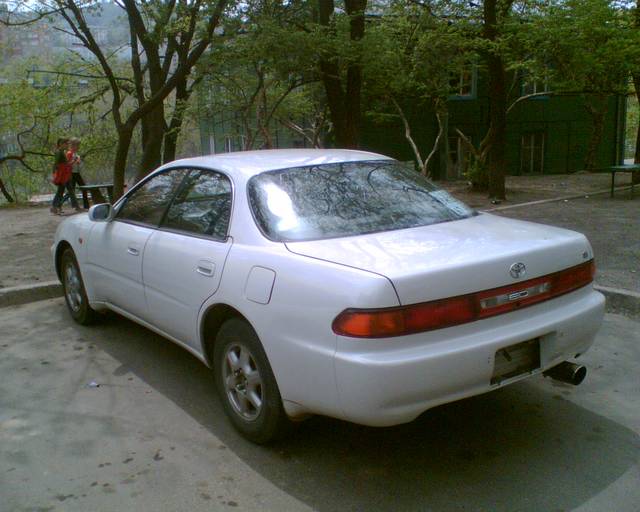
column 556, row 199
column 29, row 293
column 618, row 300
column 621, row 301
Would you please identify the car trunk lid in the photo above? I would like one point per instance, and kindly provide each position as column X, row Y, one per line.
column 457, row 257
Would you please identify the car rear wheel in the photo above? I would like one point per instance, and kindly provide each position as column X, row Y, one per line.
column 74, row 292
column 246, row 384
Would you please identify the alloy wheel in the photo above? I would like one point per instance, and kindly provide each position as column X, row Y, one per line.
column 73, row 287
column 242, row 381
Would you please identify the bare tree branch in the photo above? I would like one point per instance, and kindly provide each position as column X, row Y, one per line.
column 407, row 132
column 77, row 75
column 39, row 15
column 21, row 157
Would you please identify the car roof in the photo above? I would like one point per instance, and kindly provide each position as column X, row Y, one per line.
column 250, row 163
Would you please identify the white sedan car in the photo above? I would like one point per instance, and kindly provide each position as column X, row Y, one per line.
column 332, row 282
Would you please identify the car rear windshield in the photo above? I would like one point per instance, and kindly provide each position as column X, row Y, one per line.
column 346, row 199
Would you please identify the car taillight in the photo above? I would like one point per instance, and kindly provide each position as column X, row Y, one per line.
column 388, row 322
column 437, row 314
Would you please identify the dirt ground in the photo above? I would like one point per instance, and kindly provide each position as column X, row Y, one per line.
column 612, row 225
column 523, row 189
column 26, row 234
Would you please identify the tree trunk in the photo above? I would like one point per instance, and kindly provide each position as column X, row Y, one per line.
column 152, row 151
column 344, row 101
column 446, row 165
column 144, row 132
column 261, row 118
column 496, row 158
column 6, row 193
column 171, row 139
column 175, row 125
column 635, row 176
column 442, row 115
column 355, row 9
column 597, row 108
column 409, row 137
column 125, row 134
column 173, row 132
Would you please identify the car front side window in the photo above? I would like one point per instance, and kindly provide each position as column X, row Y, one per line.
column 202, row 205
column 147, row 204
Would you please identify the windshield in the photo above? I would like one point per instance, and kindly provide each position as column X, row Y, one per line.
column 346, row 199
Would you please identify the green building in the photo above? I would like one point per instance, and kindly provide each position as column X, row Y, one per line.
column 546, row 134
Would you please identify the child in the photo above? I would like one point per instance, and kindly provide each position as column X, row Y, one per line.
column 76, row 179
column 62, row 178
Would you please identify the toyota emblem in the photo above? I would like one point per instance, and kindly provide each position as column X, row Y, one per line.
column 517, row 270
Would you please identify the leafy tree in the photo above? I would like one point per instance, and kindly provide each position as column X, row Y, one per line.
column 258, row 87
column 340, row 63
column 417, row 56
column 586, row 48
column 167, row 38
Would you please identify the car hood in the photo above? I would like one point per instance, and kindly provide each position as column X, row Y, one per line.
column 456, row 257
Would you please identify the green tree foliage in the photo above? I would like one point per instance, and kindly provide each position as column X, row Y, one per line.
column 417, row 56
column 261, row 77
column 166, row 40
column 38, row 107
column 587, row 48
column 282, row 63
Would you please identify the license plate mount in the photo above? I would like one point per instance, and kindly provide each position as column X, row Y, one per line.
column 514, row 360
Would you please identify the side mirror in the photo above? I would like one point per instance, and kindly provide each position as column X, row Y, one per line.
column 101, row 212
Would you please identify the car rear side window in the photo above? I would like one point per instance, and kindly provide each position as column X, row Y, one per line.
column 202, row 206
column 346, row 199
column 147, row 204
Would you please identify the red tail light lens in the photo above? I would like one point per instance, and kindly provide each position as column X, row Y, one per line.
column 437, row 314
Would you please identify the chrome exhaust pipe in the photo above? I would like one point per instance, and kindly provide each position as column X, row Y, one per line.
column 571, row 373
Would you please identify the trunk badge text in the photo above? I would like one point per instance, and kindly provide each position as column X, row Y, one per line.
column 499, row 300
column 518, row 295
column 517, row 270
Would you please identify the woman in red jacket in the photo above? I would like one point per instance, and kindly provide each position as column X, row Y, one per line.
column 62, row 178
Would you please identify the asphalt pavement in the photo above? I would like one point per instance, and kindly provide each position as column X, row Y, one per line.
column 113, row 417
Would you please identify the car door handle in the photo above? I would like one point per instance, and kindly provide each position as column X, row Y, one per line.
column 133, row 251
column 206, row 268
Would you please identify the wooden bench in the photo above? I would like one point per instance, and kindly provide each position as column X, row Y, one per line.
column 632, row 168
column 95, row 190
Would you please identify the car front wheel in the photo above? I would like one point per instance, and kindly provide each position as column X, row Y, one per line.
column 74, row 292
column 246, row 384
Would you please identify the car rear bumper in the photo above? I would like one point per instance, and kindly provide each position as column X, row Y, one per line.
column 386, row 382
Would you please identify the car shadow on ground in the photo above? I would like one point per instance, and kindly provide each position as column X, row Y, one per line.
column 520, row 448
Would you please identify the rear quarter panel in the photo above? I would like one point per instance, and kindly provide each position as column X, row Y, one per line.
column 295, row 326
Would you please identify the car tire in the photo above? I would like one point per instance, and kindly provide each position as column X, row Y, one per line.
column 246, row 384
column 74, row 292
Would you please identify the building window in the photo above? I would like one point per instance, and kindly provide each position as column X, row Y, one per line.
column 534, row 87
column 532, row 153
column 530, row 85
column 463, row 84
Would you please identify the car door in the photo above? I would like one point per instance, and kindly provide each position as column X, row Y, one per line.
column 116, row 248
column 185, row 256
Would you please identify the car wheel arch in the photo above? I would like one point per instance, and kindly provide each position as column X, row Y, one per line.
column 62, row 246
column 212, row 320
